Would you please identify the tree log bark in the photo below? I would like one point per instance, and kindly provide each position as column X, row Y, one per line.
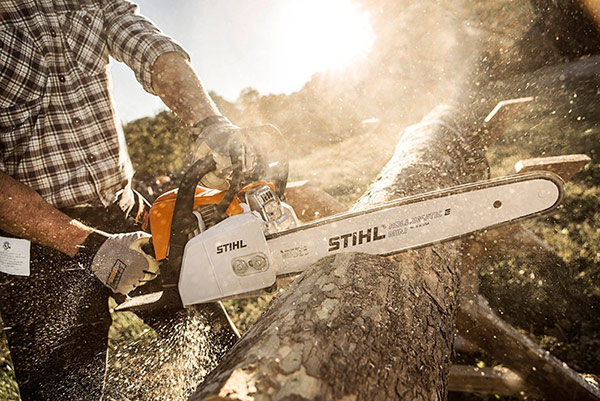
column 359, row 326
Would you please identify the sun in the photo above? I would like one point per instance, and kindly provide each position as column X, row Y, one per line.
column 320, row 35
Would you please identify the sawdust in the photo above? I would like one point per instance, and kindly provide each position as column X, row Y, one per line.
column 168, row 365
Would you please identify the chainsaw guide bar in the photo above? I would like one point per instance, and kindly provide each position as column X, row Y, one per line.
column 418, row 220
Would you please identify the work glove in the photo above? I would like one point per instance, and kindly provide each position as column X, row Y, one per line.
column 118, row 260
column 215, row 136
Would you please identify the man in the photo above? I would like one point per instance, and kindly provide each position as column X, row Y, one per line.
column 65, row 178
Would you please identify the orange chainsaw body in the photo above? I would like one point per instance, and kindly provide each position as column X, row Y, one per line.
column 161, row 212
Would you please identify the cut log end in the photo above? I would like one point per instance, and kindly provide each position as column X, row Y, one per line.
column 311, row 202
column 565, row 166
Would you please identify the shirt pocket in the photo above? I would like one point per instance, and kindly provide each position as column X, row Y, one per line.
column 17, row 125
column 23, row 69
column 84, row 34
column 23, row 78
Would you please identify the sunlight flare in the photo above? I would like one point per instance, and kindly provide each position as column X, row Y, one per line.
column 323, row 35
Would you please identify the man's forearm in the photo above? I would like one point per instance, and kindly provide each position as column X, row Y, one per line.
column 175, row 81
column 24, row 213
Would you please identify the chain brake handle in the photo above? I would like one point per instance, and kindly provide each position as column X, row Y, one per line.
column 271, row 151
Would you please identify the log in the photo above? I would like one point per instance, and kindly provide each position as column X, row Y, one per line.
column 514, row 238
column 535, row 365
column 497, row 380
column 319, row 205
column 359, row 326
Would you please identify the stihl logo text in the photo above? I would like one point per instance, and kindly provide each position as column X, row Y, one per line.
column 231, row 246
column 355, row 238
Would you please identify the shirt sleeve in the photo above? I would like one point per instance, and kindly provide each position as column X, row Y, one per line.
column 135, row 40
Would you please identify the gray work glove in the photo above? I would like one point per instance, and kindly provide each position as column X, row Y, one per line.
column 119, row 261
column 214, row 136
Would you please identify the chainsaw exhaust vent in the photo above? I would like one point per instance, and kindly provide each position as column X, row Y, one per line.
column 276, row 214
column 267, row 196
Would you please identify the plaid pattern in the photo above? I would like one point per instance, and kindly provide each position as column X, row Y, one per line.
column 59, row 132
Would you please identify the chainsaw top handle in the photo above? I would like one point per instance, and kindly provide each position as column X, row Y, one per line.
column 270, row 149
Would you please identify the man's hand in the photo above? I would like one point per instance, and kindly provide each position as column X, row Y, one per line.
column 215, row 136
column 119, row 261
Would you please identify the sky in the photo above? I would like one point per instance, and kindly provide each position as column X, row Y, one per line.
column 274, row 46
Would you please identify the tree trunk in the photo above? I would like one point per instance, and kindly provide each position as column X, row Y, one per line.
column 357, row 326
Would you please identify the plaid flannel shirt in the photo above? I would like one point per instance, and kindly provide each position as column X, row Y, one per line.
column 59, row 132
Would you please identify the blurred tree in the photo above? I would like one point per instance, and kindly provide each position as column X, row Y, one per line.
column 157, row 146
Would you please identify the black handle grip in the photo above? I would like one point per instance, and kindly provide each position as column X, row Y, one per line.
column 184, row 221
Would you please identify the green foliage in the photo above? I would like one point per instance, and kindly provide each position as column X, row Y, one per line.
column 8, row 385
column 557, row 302
column 157, row 145
column 573, row 231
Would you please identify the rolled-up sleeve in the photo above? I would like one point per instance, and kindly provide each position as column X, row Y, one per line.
column 135, row 40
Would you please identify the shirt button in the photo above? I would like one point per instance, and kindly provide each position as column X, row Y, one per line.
column 91, row 157
column 62, row 78
column 76, row 122
column 53, row 33
column 87, row 19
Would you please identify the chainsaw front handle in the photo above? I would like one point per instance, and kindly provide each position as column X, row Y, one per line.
column 184, row 221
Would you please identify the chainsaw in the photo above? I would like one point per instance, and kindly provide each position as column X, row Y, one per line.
column 215, row 245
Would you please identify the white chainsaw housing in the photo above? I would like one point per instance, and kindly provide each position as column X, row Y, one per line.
column 230, row 258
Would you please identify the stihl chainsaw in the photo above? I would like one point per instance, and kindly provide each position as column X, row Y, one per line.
column 221, row 244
